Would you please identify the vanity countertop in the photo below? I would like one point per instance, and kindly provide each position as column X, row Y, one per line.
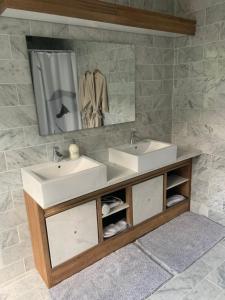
column 117, row 174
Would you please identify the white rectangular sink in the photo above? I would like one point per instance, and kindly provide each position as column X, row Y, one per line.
column 144, row 156
column 53, row 183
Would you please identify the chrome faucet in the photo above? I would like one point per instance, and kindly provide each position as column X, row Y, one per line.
column 57, row 156
column 133, row 136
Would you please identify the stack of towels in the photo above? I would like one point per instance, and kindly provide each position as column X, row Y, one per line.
column 174, row 200
column 108, row 203
column 113, row 229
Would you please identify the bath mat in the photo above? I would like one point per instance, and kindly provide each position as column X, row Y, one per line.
column 179, row 243
column 127, row 274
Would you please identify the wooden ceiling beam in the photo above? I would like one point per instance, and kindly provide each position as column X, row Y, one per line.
column 100, row 11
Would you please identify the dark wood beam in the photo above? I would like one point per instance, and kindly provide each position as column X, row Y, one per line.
column 104, row 12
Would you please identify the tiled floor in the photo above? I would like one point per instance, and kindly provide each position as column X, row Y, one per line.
column 204, row 280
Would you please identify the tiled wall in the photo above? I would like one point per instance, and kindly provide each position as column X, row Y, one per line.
column 199, row 102
column 20, row 144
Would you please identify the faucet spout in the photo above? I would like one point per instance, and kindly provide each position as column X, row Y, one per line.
column 132, row 136
column 57, row 156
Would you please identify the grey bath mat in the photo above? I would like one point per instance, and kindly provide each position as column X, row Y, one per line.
column 127, row 274
column 179, row 243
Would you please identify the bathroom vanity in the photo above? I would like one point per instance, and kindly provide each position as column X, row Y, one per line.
column 68, row 236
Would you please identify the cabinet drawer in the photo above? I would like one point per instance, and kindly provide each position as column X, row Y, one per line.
column 72, row 232
column 147, row 199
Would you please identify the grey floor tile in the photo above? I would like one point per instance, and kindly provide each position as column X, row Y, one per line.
column 218, row 276
column 204, row 291
column 215, row 257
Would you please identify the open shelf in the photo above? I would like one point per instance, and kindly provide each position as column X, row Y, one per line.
column 118, row 213
column 177, row 182
column 174, row 180
column 116, row 210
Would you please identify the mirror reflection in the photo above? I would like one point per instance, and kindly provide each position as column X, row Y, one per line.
column 81, row 84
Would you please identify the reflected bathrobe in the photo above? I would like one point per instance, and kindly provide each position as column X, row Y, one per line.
column 93, row 99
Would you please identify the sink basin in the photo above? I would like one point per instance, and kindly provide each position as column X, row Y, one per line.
column 53, row 183
column 144, row 156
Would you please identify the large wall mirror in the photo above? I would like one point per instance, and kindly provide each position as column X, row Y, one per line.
column 81, row 84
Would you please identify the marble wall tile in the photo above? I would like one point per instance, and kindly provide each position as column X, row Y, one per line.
column 146, row 88
column 11, row 139
column 183, row 41
column 181, row 71
column 208, row 68
column 213, row 32
column 24, row 157
column 14, row 26
column 215, row 13
column 86, row 33
column 146, row 4
column 163, row 6
column 141, row 39
column 32, row 137
column 60, row 30
column 114, row 36
column 25, row 94
column 163, row 42
column 8, row 95
column 24, row 233
column 11, row 117
column 29, row 263
column 14, row 253
column 190, row 54
column 10, row 181
column 162, row 72
column 205, row 93
column 8, row 238
column 2, row 162
column 41, row 28
column 14, row 71
column 198, row 38
column 12, row 218
column 30, row 281
column 161, row 102
column 5, row 50
column 5, row 201
column 144, row 72
column 9, row 272
column 19, row 47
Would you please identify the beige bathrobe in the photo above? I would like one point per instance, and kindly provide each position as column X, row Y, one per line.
column 93, row 99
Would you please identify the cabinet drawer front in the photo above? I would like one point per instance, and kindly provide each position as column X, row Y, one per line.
column 147, row 199
column 72, row 232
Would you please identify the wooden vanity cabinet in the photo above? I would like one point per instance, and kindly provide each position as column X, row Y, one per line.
column 68, row 237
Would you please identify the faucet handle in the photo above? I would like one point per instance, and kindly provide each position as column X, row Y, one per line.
column 133, row 130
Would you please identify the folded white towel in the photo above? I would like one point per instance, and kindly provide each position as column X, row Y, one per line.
column 113, row 229
column 105, row 209
column 174, row 200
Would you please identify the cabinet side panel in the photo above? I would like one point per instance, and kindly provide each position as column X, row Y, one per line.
column 39, row 239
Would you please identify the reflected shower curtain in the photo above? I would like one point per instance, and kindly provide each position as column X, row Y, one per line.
column 56, row 91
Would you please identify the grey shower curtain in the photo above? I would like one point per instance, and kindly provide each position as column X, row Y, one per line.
column 56, row 91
